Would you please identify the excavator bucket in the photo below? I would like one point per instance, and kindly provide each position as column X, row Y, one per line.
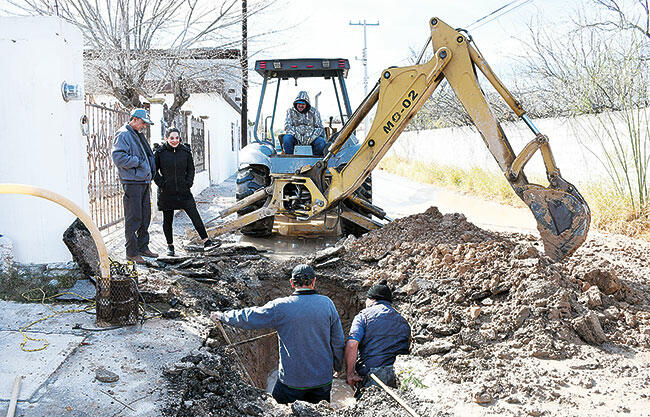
column 563, row 218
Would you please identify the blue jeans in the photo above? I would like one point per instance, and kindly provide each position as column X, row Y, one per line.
column 317, row 146
column 386, row 374
column 285, row 395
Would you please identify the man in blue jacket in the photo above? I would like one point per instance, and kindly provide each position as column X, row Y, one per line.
column 135, row 166
column 310, row 338
column 377, row 335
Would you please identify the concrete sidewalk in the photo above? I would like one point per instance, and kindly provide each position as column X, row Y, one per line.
column 60, row 379
column 209, row 202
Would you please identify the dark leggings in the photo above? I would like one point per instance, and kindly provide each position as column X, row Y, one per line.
column 192, row 213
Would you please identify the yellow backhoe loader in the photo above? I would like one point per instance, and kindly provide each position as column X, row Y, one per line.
column 319, row 189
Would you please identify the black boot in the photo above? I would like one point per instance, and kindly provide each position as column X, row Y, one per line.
column 170, row 250
column 208, row 244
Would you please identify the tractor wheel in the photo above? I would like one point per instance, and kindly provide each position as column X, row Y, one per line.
column 365, row 192
column 249, row 180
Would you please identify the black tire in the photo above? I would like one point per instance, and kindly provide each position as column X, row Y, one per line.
column 249, row 180
column 365, row 192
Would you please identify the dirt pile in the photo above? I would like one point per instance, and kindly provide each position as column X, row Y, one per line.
column 483, row 306
column 476, row 300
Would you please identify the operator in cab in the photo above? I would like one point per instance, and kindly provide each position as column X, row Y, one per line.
column 303, row 126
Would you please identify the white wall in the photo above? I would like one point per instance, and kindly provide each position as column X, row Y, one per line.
column 222, row 159
column 572, row 141
column 41, row 139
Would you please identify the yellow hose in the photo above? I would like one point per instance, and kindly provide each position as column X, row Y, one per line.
column 104, row 268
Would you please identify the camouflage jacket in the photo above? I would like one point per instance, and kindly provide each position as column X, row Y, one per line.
column 306, row 126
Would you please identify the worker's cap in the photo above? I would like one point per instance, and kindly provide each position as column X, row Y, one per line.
column 380, row 292
column 142, row 114
column 303, row 273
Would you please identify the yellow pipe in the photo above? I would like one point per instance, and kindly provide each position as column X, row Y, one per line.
column 104, row 265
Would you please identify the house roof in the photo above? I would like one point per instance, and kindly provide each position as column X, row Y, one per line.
column 207, row 70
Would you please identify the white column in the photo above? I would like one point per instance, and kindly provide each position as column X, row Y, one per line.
column 156, row 114
column 42, row 144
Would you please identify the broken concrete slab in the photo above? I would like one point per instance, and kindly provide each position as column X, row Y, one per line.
column 82, row 247
column 328, row 253
column 104, row 375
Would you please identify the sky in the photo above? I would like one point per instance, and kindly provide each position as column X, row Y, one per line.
column 322, row 29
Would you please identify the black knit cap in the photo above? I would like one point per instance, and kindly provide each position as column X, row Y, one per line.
column 303, row 274
column 380, row 292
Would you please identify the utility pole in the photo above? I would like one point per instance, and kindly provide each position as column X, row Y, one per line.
column 244, row 69
column 364, row 57
column 364, row 60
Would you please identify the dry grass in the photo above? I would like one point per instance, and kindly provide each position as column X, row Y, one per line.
column 609, row 211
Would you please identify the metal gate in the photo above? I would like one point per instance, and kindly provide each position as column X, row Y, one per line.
column 104, row 187
column 192, row 130
column 197, row 140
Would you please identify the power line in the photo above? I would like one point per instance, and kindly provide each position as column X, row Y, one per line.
column 502, row 14
column 498, row 10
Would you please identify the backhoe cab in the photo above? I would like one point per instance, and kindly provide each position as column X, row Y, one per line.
column 329, row 185
column 263, row 162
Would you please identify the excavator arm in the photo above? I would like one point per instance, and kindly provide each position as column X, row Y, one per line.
column 562, row 214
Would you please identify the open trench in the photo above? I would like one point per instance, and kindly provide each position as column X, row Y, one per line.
column 260, row 357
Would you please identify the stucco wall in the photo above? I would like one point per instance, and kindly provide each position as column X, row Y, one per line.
column 577, row 151
column 222, row 118
column 223, row 160
column 41, row 139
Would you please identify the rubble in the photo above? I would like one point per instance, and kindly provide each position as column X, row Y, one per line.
column 82, row 247
column 104, row 375
column 482, row 306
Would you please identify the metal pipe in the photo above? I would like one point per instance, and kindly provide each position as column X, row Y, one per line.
column 346, row 97
column 104, row 264
column 275, row 106
column 529, row 123
column 259, row 109
column 256, row 196
column 338, row 100
column 423, row 50
column 376, row 211
column 390, row 392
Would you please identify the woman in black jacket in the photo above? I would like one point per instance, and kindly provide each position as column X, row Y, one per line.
column 174, row 178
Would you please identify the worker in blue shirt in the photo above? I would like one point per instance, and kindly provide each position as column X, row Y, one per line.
column 377, row 335
column 310, row 338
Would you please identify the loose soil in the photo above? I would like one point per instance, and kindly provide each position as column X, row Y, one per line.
column 498, row 328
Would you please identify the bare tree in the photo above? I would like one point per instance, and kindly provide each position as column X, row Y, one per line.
column 626, row 15
column 142, row 47
column 443, row 109
column 604, row 75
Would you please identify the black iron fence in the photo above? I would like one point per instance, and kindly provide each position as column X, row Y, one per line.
column 197, row 140
column 104, row 187
column 193, row 132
